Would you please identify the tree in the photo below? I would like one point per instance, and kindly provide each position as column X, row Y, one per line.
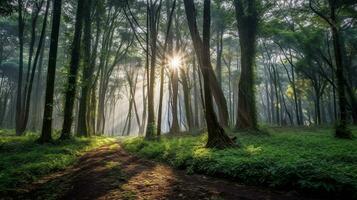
column 6, row 8
column 51, row 74
column 168, row 39
column 88, row 68
column 24, row 91
column 217, row 137
column 333, row 22
column 153, row 9
column 247, row 17
column 70, row 91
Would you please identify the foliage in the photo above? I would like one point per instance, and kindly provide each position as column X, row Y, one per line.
column 6, row 8
column 22, row 160
column 303, row 159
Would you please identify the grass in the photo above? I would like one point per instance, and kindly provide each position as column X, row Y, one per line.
column 308, row 160
column 22, row 160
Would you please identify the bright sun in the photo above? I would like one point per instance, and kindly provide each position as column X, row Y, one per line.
column 175, row 62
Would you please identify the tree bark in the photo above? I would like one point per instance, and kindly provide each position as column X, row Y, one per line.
column 168, row 39
column 73, row 71
column 88, row 69
column 187, row 100
column 341, row 130
column 19, row 114
column 51, row 73
column 153, row 11
column 217, row 137
column 247, row 21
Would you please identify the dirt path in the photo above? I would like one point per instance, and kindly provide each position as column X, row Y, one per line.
column 111, row 173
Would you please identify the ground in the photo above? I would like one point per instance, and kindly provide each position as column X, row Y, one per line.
column 309, row 160
column 298, row 162
column 110, row 172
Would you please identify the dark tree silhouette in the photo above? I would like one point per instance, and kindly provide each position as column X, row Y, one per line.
column 51, row 74
column 73, row 71
column 217, row 137
column 88, row 69
column 247, row 22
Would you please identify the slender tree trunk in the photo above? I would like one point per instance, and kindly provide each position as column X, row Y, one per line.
column 219, row 98
column 175, row 128
column 51, row 73
column 37, row 98
column 187, row 100
column 216, row 135
column 153, row 12
column 19, row 113
column 92, row 108
column 298, row 120
column 341, row 130
column 318, row 108
column 353, row 101
column 31, row 75
column 195, row 98
column 168, row 42
column 88, row 69
column 144, row 113
column 219, row 50
column 323, row 110
column 73, row 71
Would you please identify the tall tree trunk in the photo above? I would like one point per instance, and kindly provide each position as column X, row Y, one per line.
column 353, row 101
column 73, row 71
column 51, row 73
column 153, row 13
column 231, row 112
column 175, row 128
column 19, row 113
column 92, row 95
column 38, row 93
column 187, row 100
column 341, row 130
column 317, row 107
column 219, row 98
column 168, row 42
column 195, row 97
column 88, row 69
column 144, row 115
column 219, row 50
column 298, row 120
column 247, row 21
column 92, row 108
column 31, row 74
column 216, row 136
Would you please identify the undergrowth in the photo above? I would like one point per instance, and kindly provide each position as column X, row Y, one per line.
column 308, row 160
column 22, row 160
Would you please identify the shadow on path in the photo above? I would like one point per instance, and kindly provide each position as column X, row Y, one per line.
column 111, row 173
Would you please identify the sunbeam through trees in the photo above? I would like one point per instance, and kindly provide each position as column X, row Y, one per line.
column 256, row 92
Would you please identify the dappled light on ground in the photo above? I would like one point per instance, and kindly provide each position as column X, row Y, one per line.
column 111, row 173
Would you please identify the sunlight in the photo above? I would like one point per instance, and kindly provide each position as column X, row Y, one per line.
column 175, row 62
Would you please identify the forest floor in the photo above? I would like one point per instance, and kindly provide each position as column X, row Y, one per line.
column 109, row 172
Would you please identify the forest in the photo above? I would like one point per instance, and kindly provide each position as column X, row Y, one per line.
column 178, row 99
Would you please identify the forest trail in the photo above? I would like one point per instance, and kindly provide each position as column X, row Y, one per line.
column 111, row 173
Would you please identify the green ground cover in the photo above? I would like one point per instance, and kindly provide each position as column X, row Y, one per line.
column 304, row 159
column 22, row 160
